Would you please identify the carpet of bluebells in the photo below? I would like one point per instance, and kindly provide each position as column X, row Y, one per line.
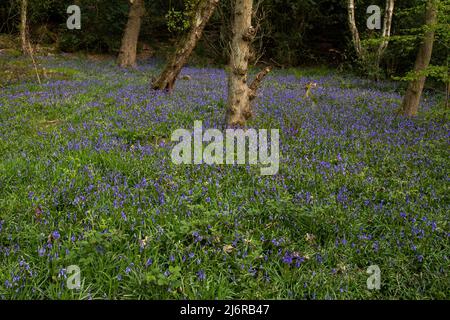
column 86, row 179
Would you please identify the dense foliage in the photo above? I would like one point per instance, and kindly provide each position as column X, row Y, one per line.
column 292, row 32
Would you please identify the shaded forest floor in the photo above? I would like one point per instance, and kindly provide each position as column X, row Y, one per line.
column 86, row 179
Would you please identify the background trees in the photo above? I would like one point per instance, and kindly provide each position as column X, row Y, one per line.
column 290, row 33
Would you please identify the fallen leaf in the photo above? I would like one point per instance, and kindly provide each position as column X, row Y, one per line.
column 228, row 248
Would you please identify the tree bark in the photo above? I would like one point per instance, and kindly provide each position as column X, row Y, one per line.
column 353, row 28
column 387, row 23
column 127, row 53
column 203, row 13
column 411, row 101
column 23, row 26
column 240, row 94
column 361, row 52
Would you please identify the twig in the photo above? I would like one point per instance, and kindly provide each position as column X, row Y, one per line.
column 34, row 62
column 278, row 64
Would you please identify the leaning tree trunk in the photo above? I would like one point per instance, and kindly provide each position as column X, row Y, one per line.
column 127, row 53
column 23, row 26
column 239, row 93
column 203, row 13
column 411, row 101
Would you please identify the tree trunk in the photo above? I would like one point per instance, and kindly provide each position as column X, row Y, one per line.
column 386, row 34
column 388, row 13
column 353, row 28
column 411, row 101
column 361, row 52
column 127, row 53
column 239, row 93
column 23, row 26
column 203, row 13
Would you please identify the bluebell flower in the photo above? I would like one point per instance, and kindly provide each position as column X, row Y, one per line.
column 201, row 275
column 41, row 251
column 56, row 235
column 287, row 258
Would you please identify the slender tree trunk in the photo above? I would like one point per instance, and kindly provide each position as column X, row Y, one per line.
column 239, row 93
column 388, row 13
column 127, row 53
column 353, row 28
column 361, row 52
column 386, row 34
column 25, row 41
column 23, row 26
column 203, row 13
column 447, row 87
column 411, row 101
column 447, row 95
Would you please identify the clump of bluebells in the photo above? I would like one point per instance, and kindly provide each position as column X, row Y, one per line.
column 86, row 179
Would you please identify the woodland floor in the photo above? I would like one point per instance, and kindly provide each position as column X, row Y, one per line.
column 86, row 179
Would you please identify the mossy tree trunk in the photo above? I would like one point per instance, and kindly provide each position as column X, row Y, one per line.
column 203, row 12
